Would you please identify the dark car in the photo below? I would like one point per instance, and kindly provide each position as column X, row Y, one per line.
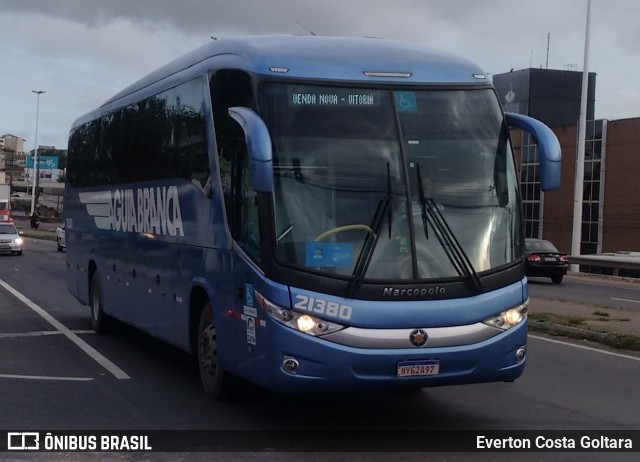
column 544, row 260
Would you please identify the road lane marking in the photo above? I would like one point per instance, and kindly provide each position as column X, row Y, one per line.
column 84, row 346
column 46, row 377
column 625, row 300
column 40, row 333
column 582, row 347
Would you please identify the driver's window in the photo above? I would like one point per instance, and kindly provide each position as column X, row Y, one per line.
column 233, row 88
column 240, row 199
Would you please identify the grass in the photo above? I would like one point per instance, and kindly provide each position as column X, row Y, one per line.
column 601, row 313
column 574, row 321
column 577, row 328
column 37, row 234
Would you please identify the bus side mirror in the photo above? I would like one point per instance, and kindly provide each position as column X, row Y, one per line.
column 549, row 152
column 258, row 148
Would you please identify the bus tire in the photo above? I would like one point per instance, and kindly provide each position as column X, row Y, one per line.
column 99, row 320
column 214, row 379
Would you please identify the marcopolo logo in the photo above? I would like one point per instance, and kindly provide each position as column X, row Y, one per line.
column 413, row 291
column 142, row 210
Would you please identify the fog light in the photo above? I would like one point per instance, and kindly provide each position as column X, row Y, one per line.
column 520, row 354
column 290, row 365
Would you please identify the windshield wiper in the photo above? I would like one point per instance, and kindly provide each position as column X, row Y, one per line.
column 284, row 233
column 370, row 242
column 431, row 214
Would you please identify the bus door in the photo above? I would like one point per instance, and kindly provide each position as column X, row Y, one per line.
column 242, row 218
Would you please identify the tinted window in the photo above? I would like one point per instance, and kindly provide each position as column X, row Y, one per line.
column 160, row 137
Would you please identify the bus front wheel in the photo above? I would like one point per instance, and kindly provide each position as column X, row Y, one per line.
column 213, row 377
column 99, row 320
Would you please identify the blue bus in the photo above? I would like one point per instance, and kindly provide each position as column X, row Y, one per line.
column 309, row 214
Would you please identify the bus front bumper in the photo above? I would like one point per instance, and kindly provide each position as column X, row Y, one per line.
column 302, row 363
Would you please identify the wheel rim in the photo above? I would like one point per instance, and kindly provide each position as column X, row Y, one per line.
column 208, row 350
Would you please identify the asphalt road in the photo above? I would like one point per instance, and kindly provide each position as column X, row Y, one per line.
column 607, row 293
column 62, row 376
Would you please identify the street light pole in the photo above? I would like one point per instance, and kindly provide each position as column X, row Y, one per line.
column 576, row 235
column 35, row 154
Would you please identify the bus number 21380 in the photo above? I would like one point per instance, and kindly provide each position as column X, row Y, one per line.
column 320, row 306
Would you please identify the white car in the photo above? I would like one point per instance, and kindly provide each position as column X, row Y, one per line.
column 10, row 239
column 61, row 238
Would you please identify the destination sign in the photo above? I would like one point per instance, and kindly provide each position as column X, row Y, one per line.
column 315, row 96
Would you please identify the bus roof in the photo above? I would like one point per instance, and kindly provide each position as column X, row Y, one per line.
column 351, row 59
column 320, row 57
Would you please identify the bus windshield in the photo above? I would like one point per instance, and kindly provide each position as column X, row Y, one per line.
column 391, row 184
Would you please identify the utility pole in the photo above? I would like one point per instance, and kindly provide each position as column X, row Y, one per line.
column 576, row 237
column 35, row 155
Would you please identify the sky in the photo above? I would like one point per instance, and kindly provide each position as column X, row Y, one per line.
column 81, row 52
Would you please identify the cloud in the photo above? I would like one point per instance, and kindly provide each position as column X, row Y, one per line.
column 83, row 51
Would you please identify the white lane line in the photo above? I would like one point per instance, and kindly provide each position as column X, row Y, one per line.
column 625, row 300
column 84, row 346
column 40, row 333
column 582, row 347
column 45, row 377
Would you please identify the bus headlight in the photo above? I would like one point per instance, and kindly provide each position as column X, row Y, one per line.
column 509, row 318
column 300, row 322
column 305, row 323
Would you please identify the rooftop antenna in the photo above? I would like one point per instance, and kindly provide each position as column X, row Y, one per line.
column 548, row 42
column 305, row 28
column 531, row 59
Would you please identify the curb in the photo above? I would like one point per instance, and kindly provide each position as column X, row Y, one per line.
column 44, row 235
column 618, row 341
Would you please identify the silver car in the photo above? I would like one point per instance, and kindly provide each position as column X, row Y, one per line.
column 10, row 239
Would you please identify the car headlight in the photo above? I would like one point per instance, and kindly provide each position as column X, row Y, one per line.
column 298, row 321
column 509, row 318
column 18, row 241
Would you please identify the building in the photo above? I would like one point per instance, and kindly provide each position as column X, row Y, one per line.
column 17, row 169
column 11, row 146
column 611, row 192
column 12, row 142
column 611, row 197
column 548, row 95
column 49, row 164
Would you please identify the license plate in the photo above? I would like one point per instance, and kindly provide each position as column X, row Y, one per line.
column 550, row 259
column 418, row 368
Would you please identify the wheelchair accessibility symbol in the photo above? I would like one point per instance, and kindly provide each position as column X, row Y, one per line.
column 406, row 101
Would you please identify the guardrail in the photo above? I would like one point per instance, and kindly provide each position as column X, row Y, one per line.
column 616, row 261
